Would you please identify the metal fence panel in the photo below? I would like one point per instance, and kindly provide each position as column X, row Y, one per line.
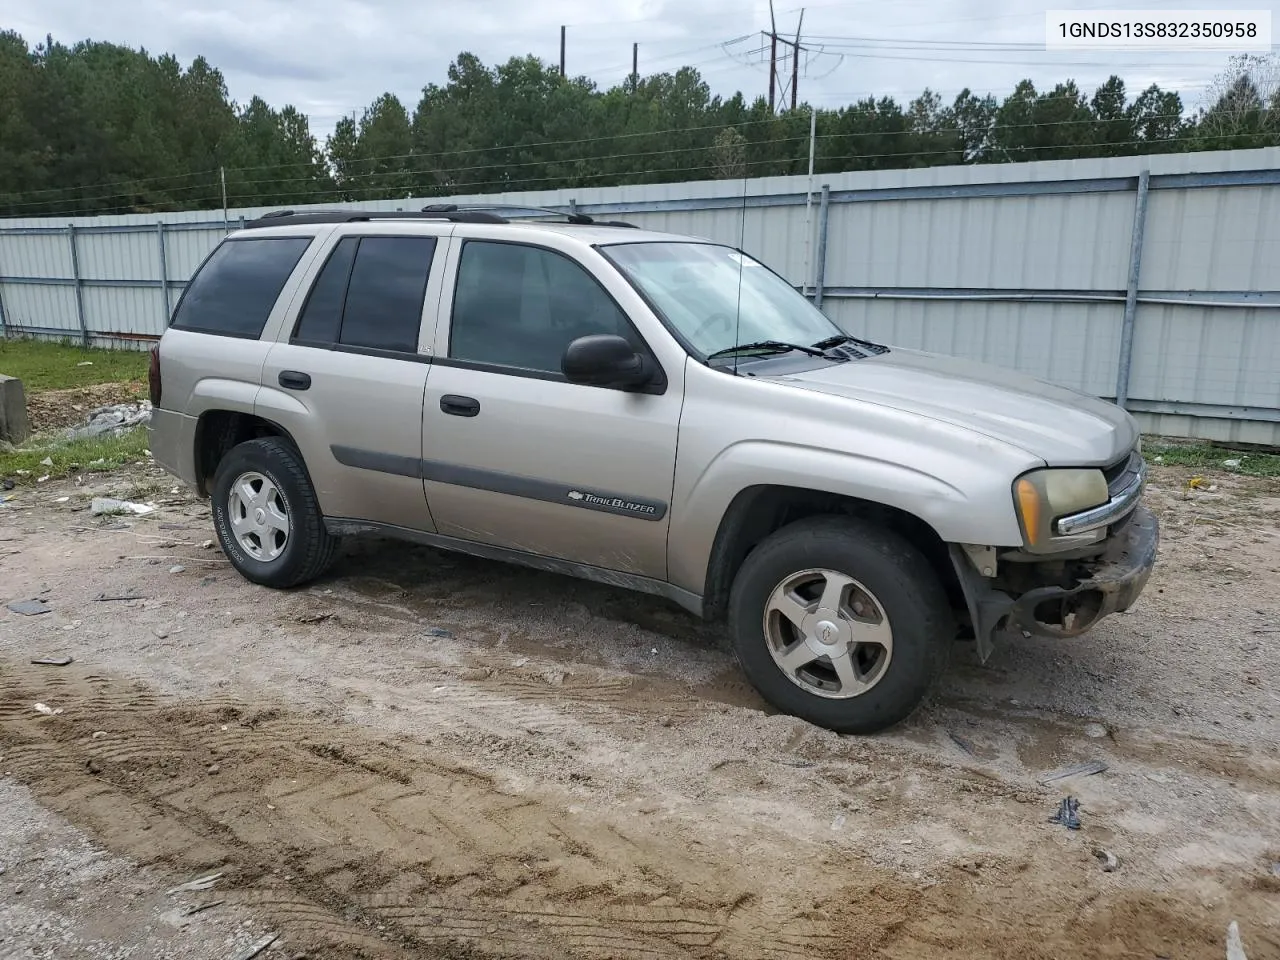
column 1071, row 344
column 48, row 308
column 1218, row 238
column 127, row 310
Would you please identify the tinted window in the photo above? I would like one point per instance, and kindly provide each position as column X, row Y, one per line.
column 521, row 306
column 322, row 315
column 234, row 291
column 385, row 293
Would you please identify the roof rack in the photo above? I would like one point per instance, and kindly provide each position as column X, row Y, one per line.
column 580, row 219
column 277, row 217
column 451, row 212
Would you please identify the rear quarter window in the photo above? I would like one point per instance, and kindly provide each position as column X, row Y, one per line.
column 235, row 290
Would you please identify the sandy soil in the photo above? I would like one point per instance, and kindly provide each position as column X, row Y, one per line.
column 429, row 755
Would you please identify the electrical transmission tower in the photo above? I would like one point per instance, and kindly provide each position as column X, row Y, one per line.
column 791, row 50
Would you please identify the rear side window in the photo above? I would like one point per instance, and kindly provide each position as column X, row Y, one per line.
column 369, row 295
column 233, row 293
column 322, row 315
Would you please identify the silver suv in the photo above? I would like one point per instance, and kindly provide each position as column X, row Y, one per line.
column 653, row 412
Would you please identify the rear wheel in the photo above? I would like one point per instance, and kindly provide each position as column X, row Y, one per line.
column 840, row 622
column 266, row 515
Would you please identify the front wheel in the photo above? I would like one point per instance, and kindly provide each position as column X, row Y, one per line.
column 840, row 622
column 267, row 517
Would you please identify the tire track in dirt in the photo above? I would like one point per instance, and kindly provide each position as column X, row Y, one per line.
column 384, row 848
column 347, row 840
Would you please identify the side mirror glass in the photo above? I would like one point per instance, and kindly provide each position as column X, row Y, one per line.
column 605, row 360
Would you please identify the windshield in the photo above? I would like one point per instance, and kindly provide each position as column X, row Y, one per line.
column 695, row 287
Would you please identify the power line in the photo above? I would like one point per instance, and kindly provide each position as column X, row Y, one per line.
column 852, row 135
column 340, row 193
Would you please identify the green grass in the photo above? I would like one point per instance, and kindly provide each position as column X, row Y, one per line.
column 1203, row 456
column 93, row 455
column 48, row 365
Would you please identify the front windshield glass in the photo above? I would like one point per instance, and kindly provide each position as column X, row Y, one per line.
column 696, row 287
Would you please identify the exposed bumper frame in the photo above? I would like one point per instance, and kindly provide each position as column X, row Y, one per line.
column 1116, row 580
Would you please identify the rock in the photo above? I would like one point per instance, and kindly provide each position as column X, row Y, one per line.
column 1095, row 730
column 161, row 632
column 177, row 568
column 1235, row 946
column 93, row 767
column 213, row 769
column 207, row 545
column 109, row 506
column 1110, row 862
column 439, row 632
column 29, row 608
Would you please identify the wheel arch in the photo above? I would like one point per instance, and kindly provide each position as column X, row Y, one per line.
column 758, row 511
column 219, row 431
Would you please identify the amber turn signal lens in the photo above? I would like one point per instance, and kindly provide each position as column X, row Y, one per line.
column 1029, row 507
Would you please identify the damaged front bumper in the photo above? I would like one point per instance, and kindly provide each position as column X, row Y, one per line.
column 1110, row 583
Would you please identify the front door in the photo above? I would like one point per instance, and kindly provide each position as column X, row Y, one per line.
column 348, row 377
column 516, row 456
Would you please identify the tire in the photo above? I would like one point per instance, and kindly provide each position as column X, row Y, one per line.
column 890, row 673
column 306, row 549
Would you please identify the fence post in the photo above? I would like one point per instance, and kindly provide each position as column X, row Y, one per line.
column 1131, row 291
column 164, row 274
column 820, row 268
column 4, row 324
column 75, row 273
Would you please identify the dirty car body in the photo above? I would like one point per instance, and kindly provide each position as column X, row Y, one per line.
column 654, row 412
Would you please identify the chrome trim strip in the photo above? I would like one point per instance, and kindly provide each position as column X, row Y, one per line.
column 1121, row 502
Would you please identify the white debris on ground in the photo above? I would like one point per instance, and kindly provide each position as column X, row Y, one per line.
column 113, row 419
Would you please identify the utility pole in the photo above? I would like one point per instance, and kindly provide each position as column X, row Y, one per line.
column 773, row 53
column 635, row 66
column 222, row 175
column 562, row 51
column 795, row 61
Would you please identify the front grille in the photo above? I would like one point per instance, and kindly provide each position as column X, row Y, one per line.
column 1120, row 474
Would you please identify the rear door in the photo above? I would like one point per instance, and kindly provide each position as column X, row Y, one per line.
column 348, row 374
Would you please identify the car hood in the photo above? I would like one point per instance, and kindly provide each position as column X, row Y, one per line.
column 1060, row 426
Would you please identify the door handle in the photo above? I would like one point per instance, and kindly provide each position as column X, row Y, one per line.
column 457, row 406
column 294, row 380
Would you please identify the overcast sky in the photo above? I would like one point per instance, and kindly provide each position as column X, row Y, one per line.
column 332, row 57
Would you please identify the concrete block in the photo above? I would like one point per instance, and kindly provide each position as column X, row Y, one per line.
column 14, row 426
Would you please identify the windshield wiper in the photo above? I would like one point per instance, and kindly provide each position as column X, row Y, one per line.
column 774, row 346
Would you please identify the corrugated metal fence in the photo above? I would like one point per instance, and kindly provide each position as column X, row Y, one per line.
column 1154, row 280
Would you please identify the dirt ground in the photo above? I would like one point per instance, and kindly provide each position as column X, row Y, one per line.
column 429, row 755
column 55, row 409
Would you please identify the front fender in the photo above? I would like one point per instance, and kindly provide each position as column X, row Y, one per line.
column 956, row 515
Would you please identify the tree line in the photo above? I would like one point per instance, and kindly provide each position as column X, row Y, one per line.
column 102, row 128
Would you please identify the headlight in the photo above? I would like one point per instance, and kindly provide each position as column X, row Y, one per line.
column 1043, row 496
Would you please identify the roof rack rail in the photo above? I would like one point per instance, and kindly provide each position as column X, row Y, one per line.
column 580, row 219
column 276, row 217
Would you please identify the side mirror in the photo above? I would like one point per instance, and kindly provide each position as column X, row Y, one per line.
column 605, row 360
